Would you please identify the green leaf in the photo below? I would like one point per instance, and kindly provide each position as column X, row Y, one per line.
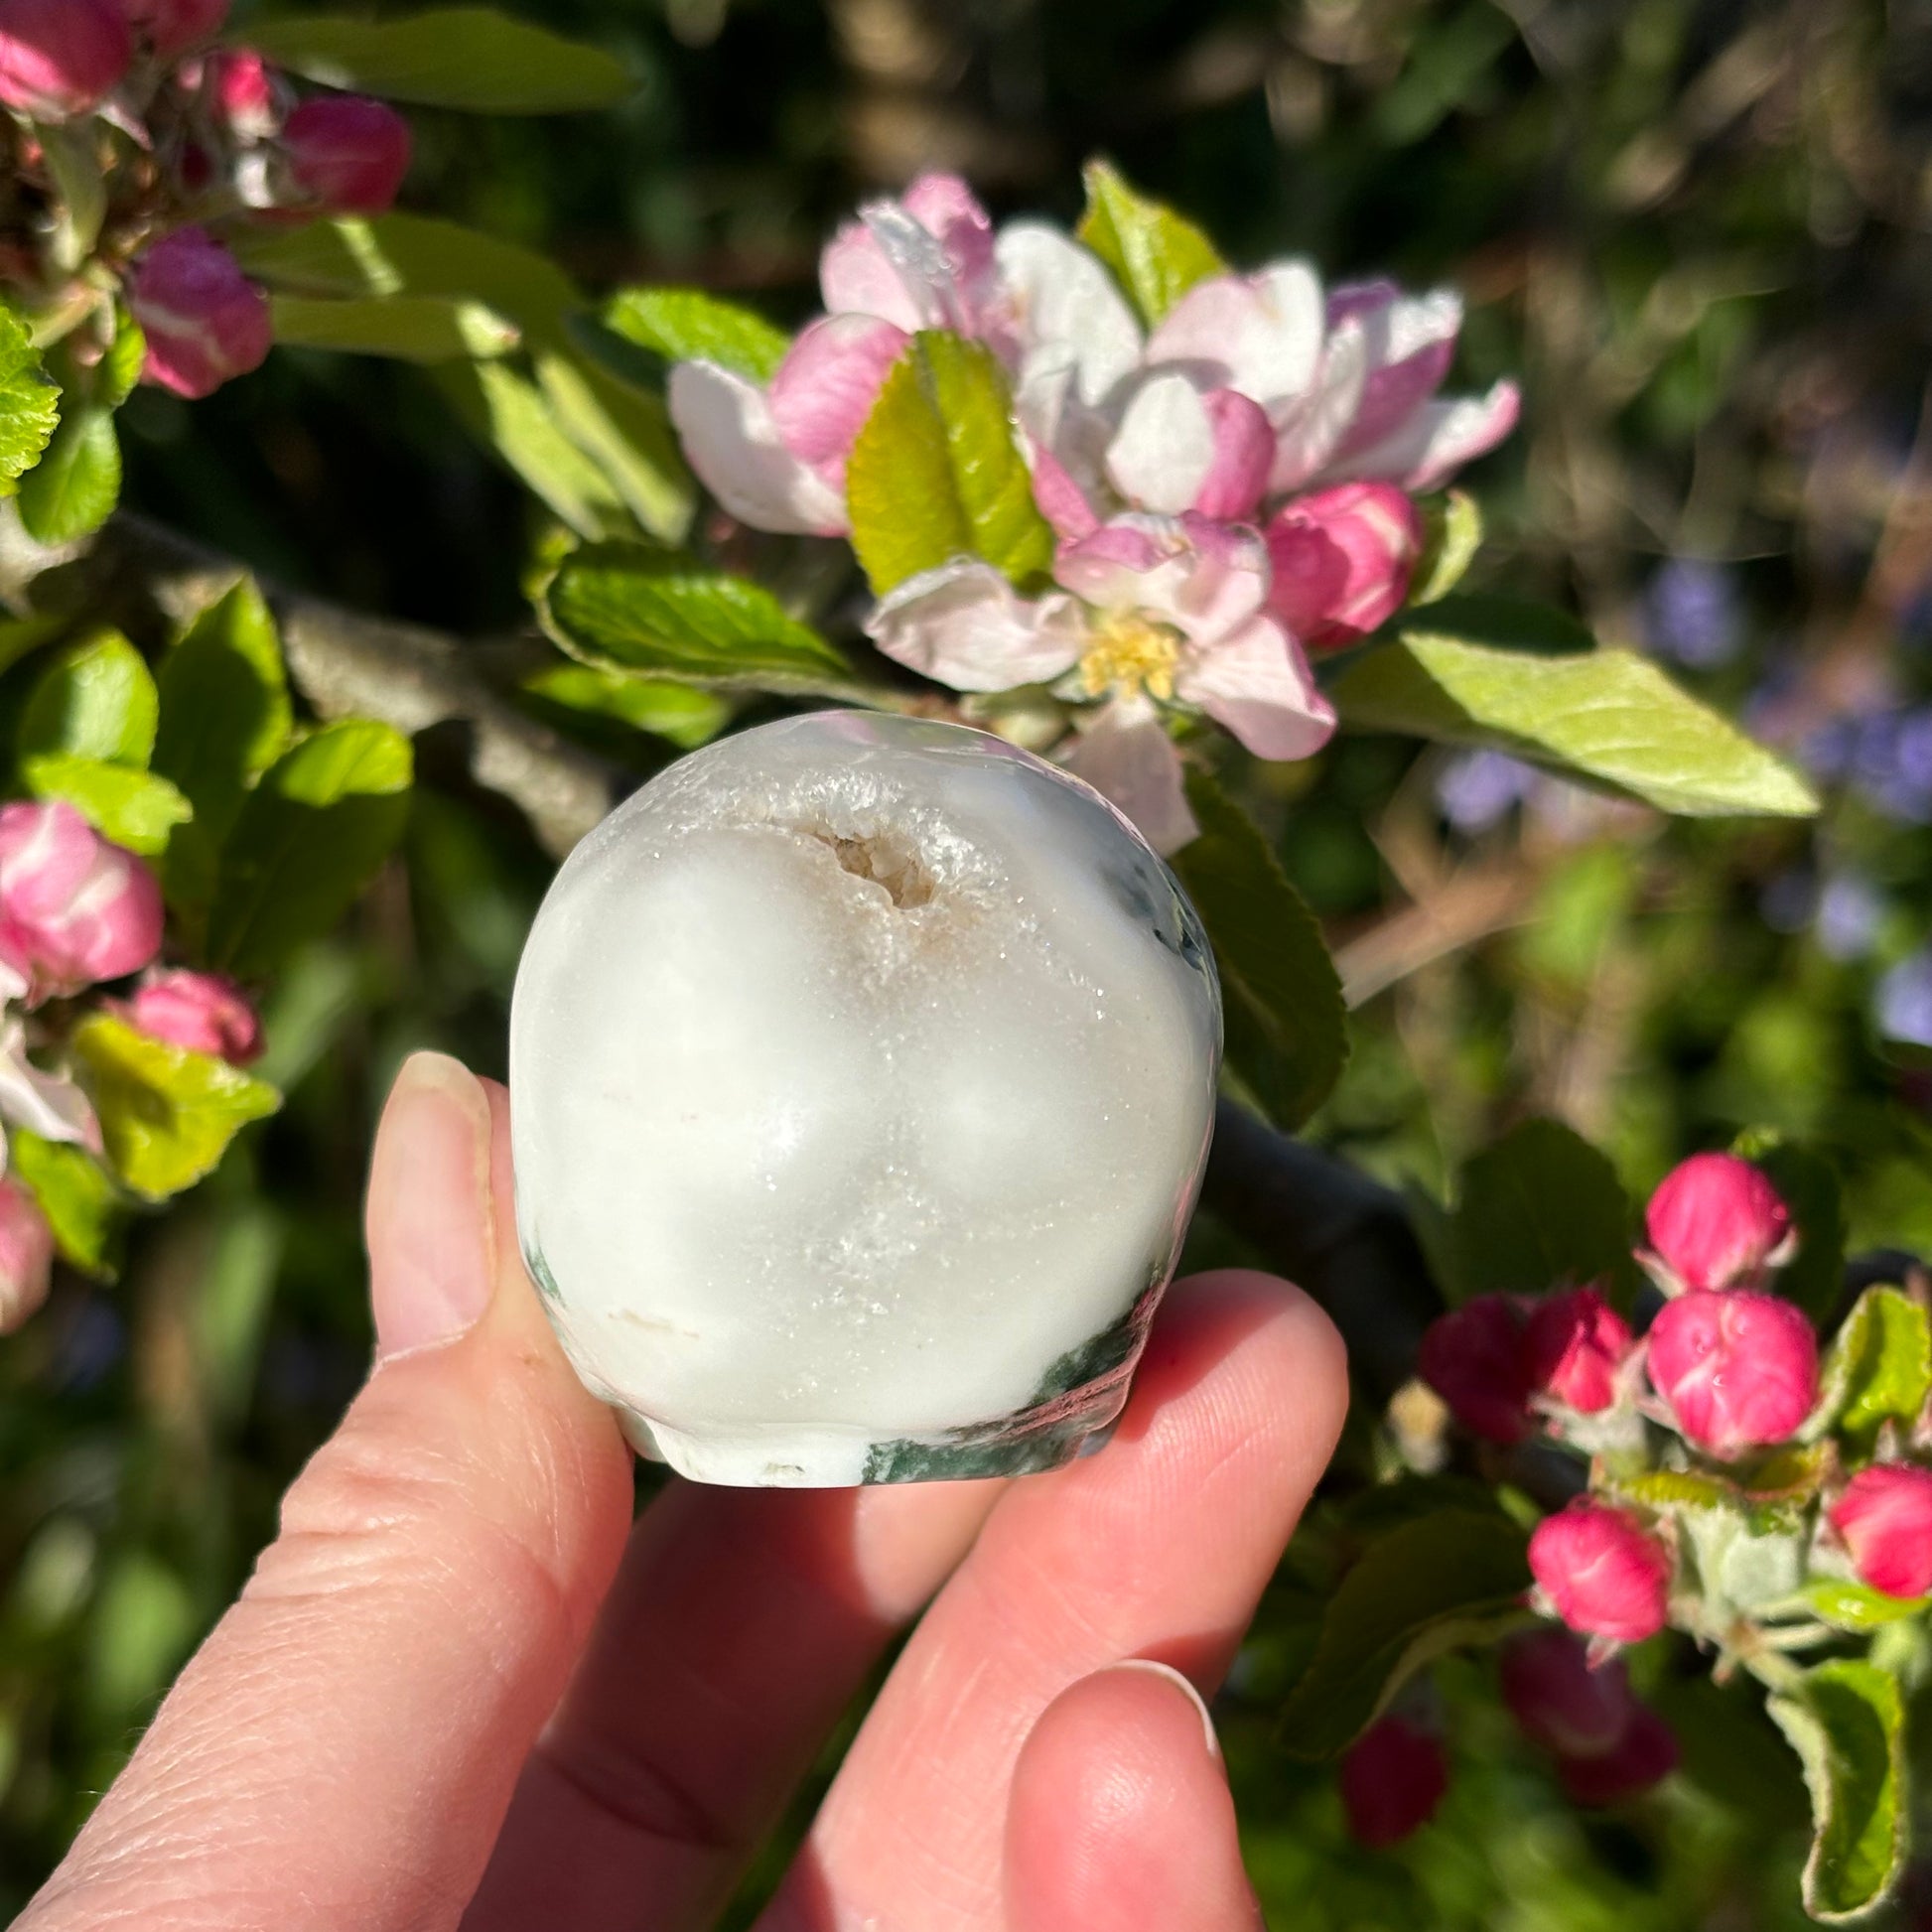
column 1606, row 717
column 1665, row 1491
column 1443, row 1580
column 687, row 325
column 472, row 58
column 1504, row 622
column 1541, row 1210
column 936, row 472
column 408, row 328
column 1878, row 1368
column 1452, row 537
column 1846, row 1722
column 134, row 808
column 307, row 841
column 71, row 491
column 1156, row 255
column 1287, row 1033
column 225, row 706
column 623, row 608
column 1857, row 1608
column 30, row 403
column 627, row 436
column 119, row 370
column 78, row 1195
column 167, row 1113
column 1809, row 1184
column 509, row 413
column 685, row 714
column 95, row 700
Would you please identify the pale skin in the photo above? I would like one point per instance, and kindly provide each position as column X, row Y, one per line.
column 462, row 1689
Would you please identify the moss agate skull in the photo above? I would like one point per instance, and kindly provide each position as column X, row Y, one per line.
column 862, row 1072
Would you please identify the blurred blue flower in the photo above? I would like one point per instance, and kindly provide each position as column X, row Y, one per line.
column 1789, row 902
column 1692, row 614
column 1476, row 789
column 1904, row 1009
column 1848, row 910
column 1891, row 764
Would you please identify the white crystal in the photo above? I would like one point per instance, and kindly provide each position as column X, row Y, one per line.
column 860, row 1068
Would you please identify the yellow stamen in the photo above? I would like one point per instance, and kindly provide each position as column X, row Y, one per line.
column 1129, row 655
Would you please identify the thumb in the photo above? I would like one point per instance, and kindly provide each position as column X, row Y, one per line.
column 343, row 1748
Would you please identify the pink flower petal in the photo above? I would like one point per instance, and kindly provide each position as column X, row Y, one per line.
column 1437, row 440
column 1244, row 451
column 1309, row 435
column 1411, row 343
column 1256, row 684
column 1127, row 757
column 947, row 209
column 964, row 625
column 824, row 390
column 732, row 441
column 857, row 277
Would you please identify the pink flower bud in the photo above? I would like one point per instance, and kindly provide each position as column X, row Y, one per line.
column 1473, row 1358
column 1737, row 1369
column 1885, row 1519
column 76, row 909
column 1575, row 1345
column 60, row 57
column 204, row 319
column 1559, row 1700
column 243, row 90
column 347, row 152
column 174, row 25
column 1715, row 1220
column 1392, row 1780
column 26, row 1255
column 1602, row 1572
column 1644, row 1755
column 201, row 1011
column 1342, row 560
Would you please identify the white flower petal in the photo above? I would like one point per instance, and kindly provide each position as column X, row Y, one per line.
column 731, row 439
column 1256, row 684
column 1060, row 294
column 1164, row 447
column 1127, row 757
column 1311, row 433
column 46, row 1104
column 1259, row 334
column 964, row 625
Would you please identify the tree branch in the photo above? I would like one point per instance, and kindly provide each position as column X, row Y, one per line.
column 345, row 662
column 1338, row 1234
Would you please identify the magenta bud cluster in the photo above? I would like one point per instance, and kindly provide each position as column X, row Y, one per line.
column 1393, row 1778
column 231, row 143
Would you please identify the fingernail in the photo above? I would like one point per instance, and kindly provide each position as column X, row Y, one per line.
column 430, row 1270
column 1186, row 1690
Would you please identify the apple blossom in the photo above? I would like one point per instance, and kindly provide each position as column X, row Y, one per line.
column 346, row 153
column 1576, row 1346
column 861, row 1070
column 775, row 455
column 1601, row 1572
column 73, row 908
column 1146, row 609
column 1342, row 561
column 60, row 58
column 1717, row 1220
column 204, row 320
column 1475, row 1358
column 26, row 1255
column 1737, row 1369
column 1393, row 1778
column 201, row 1011
column 1560, row 1699
column 1884, row 1517
column 245, row 92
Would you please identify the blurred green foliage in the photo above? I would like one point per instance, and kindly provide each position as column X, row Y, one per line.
column 1697, row 228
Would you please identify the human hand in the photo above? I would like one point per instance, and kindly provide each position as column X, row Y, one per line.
column 462, row 1689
